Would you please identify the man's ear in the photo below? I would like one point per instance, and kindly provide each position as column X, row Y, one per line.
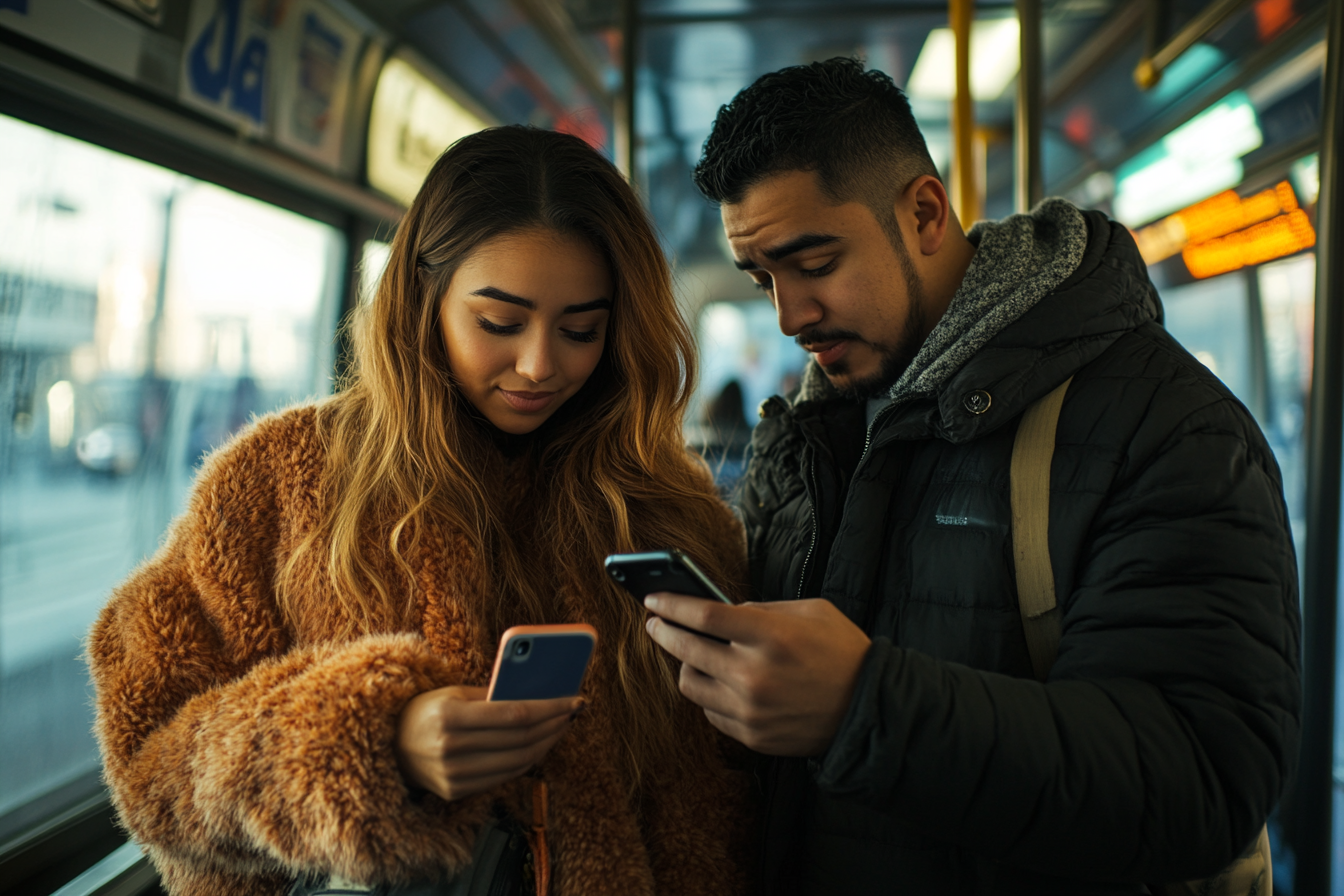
column 925, row 200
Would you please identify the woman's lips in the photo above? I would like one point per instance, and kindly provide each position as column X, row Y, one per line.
column 527, row 402
column 829, row 352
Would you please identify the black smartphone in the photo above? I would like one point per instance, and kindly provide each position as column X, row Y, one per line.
column 672, row 571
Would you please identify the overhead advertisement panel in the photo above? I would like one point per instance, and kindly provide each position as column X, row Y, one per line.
column 320, row 50
column 227, row 64
column 413, row 121
column 276, row 68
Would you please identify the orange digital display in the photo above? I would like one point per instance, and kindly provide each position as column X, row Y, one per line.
column 1213, row 217
column 1226, row 212
column 1275, row 238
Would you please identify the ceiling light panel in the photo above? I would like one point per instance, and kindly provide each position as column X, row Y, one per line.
column 994, row 62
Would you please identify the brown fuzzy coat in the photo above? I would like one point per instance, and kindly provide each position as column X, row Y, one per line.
column 241, row 751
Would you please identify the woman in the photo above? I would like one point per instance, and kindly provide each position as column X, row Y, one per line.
column 292, row 687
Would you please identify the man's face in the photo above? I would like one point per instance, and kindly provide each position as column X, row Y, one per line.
column 842, row 286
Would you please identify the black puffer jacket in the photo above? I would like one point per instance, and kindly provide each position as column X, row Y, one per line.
column 1170, row 720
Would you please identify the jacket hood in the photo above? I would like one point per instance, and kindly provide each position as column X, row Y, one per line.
column 1047, row 293
column 1018, row 261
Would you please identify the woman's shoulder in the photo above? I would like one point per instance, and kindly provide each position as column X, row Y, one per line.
column 275, row 454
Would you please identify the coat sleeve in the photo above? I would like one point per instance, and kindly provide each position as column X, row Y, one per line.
column 232, row 751
column 1169, row 723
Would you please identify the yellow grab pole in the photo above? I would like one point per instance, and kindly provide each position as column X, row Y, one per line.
column 965, row 190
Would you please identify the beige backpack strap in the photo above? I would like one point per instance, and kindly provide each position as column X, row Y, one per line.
column 1029, row 475
column 1033, row 450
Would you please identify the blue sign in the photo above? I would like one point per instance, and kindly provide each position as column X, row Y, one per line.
column 227, row 59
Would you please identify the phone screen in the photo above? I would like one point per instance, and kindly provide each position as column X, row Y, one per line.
column 541, row 662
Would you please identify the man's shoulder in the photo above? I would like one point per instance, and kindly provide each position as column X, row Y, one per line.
column 1144, row 396
column 1148, row 365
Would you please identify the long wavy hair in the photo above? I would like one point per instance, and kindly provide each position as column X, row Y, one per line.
column 405, row 450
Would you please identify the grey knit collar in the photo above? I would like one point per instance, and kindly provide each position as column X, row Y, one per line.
column 1018, row 261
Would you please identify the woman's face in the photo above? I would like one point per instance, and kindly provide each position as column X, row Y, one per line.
column 524, row 321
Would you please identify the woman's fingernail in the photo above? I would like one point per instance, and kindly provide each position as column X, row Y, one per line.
column 650, row 623
column 651, row 603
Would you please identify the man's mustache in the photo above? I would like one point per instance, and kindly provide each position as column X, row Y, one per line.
column 817, row 337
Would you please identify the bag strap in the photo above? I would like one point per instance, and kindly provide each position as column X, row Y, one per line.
column 541, row 854
column 1029, row 495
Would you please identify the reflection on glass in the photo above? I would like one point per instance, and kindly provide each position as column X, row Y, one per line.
column 144, row 317
column 1288, row 302
column 1212, row 320
column 744, row 360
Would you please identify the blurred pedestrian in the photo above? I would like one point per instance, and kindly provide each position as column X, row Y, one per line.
column 725, row 435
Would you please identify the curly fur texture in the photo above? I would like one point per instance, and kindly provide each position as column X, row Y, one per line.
column 242, row 752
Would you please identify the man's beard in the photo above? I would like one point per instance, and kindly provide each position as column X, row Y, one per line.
column 895, row 357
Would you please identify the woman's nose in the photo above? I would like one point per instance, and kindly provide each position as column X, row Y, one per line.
column 536, row 361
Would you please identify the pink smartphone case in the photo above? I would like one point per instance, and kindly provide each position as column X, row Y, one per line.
column 553, row 666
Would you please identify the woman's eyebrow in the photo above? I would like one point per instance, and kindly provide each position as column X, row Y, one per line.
column 499, row 295
column 491, row 292
column 594, row 305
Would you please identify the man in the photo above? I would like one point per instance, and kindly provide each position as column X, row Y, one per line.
column 884, row 665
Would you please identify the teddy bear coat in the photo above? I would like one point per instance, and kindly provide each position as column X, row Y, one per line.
column 242, row 752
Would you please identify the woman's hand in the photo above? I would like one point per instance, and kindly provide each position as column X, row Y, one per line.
column 455, row 743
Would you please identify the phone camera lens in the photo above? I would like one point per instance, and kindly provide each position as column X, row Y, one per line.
column 618, row 575
column 521, row 648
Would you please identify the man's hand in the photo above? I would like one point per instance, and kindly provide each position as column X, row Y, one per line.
column 782, row 683
column 454, row 742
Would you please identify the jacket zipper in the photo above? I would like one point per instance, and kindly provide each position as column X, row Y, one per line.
column 868, row 440
column 807, row 559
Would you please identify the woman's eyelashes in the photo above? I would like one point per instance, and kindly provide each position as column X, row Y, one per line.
column 489, row 326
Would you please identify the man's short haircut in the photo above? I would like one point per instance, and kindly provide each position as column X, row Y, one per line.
column 854, row 128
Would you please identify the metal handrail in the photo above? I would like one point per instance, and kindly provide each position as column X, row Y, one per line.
column 626, row 138
column 830, row 11
column 1150, row 68
column 126, row 871
column 1028, row 186
column 960, row 14
column 1106, row 40
column 552, row 21
column 1257, row 64
column 1312, row 804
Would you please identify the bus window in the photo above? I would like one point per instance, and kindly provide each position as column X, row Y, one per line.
column 144, row 317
